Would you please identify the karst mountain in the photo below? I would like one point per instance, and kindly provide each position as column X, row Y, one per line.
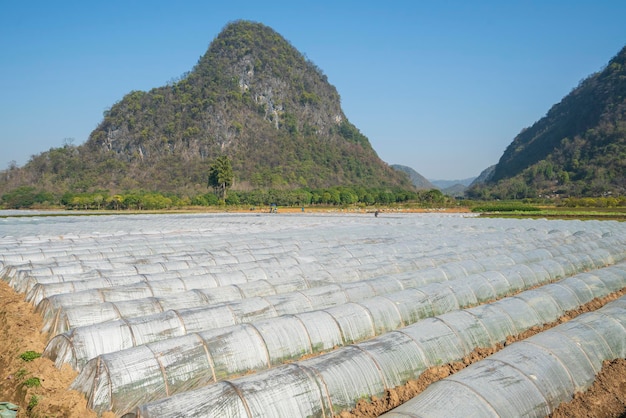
column 251, row 97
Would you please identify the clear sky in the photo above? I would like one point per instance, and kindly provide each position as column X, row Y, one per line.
column 440, row 86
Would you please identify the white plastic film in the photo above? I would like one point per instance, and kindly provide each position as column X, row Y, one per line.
column 399, row 357
column 531, row 377
column 355, row 322
column 509, row 392
column 445, row 399
column 497, row 322
column 469, row 329
column 286, row 339
column 293, row 391
column 439, row 343
column 163, row 276
column 563, row 295
column 543, row 304
column 523, row 316
column 323, row 330
column 345, row 373
column 384, row 313
column 237, row 349
column 412, row 304
column 215, row 401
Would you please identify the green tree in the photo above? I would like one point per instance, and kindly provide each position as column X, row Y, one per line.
column 22, row 197
column 348, row 197
column 221, row 176
column 116, row 201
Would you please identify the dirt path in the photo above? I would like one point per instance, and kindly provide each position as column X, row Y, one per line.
column 20, row 327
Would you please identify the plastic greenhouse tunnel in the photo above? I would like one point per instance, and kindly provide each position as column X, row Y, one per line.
column 306, row 314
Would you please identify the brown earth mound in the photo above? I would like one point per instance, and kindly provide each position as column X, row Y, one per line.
column 37, row 386
column 606, row 398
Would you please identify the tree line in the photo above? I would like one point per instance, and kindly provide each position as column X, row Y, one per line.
column 29, row 197
column 220, row 180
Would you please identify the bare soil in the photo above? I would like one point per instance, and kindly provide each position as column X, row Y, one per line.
column 606, row 398
column 20, row 327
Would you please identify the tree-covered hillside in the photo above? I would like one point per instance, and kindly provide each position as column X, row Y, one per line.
column 252, row 97
column 420, row 182
column 578, row 148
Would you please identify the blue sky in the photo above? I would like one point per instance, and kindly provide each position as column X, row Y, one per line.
column 440, row 86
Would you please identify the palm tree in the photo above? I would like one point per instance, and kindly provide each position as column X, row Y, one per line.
column 221, row 176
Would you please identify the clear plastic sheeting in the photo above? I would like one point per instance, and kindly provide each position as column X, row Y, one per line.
column 215, row 289
column 356, row 320
column 46, row 282
column 531, row 377
column 159, row 306
column 435, row 341
column 293, row 392
column 65, row 311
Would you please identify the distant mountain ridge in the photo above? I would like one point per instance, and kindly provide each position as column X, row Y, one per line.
column 455, row 188
column 251, row 97
column 444, row 184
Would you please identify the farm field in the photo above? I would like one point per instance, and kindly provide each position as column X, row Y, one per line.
column 306, row 314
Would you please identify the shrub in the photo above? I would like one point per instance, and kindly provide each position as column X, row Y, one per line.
column 32, row 382
column 34, row 401
column 29, row 355
column 505, row 207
